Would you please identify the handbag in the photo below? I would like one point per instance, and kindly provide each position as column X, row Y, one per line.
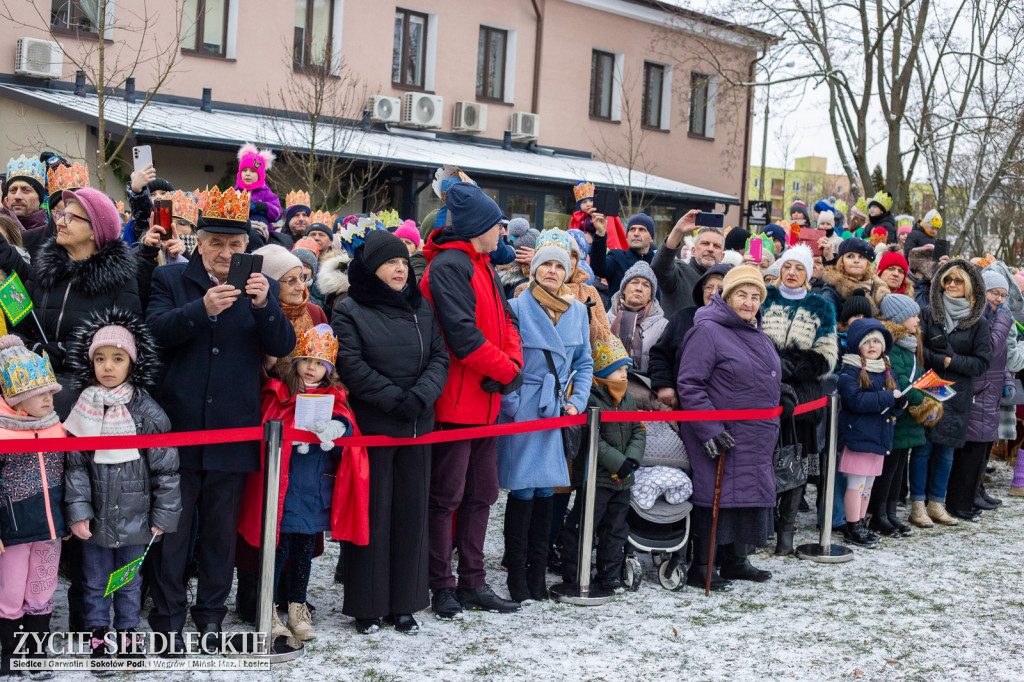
column 788, row 461
column 572, row 436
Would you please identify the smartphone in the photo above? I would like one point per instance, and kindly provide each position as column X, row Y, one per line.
column 142, row 157
column 241, row 268
column 941, row 249
column 755, row 247
column 711, row 220
column 606, row 202
column 811, row 238
column 162, row 218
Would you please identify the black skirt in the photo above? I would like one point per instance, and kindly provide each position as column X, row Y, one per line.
column 747, row 525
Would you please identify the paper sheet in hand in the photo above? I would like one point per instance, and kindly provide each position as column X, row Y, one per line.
column 310, row 409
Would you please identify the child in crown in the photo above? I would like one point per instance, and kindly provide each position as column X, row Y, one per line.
column 32, row 484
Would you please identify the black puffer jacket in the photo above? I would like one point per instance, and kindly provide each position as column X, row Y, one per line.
column 391, row 354
column 968, row 346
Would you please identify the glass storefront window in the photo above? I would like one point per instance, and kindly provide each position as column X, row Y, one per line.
column 664, row 221
column 521, row 206
column 558, row 210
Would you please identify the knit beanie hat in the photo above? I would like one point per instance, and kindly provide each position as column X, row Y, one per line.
column 24, row 374
column 732, row 258
column 891, row 258
column 1019, row 281
column 640, row 269
column 115, row 336
column 472, row 212
column 859, row 246
column 868, row 328
column 101, row 211
column 802, row 254
column 644, row 220
column 826, row 218
column 259, row 160
column 580, row 237
column 821, row 207
column 775, row 232
column 407, row 230
column 736, row 240
column 994, row 280
column 774, row 270
column 801, row 208
column 739, row 276
column 898, row 308
column 159, row 185
column 427, row 226
column 609, row 356
column 308, row 253
column 856, row 304
column 553, row 244
column 320, row 227
column 277, row 260
column 380, row 247
column 517, row 229
column 856, row 210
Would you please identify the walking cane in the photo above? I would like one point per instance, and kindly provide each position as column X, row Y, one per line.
column 714, row 524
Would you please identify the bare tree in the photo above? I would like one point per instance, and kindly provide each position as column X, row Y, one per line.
column 140, row 46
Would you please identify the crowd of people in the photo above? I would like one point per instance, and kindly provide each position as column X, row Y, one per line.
column 465, row 320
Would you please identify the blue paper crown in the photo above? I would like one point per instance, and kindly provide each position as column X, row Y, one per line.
column 353, row 235
column 27, row 167
column 26, row 372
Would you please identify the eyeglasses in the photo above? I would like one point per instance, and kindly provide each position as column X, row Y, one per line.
column 953, row 280
column 61, row 215
column 711, row 289
column 292, row 281
column 997, row 296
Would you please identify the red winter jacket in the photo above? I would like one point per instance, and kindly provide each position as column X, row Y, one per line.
column 479, row 329
column 616, row 233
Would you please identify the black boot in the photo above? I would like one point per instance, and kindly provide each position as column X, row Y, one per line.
column 988, row 498
column 785, row 520
column 8, row 643
column 736, row 566
column 246, row 596
column 537, row 538
column 39, row 623
column 697, row 575
column 880, row 524
column 130, row 645
column 784, row 543
column 903, row 529
column 517, row 527
column 856, row 533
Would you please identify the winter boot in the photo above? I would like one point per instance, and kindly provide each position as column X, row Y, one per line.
column 880, row 524
column 736, row 565
column 903, row 529
column 856, row 533
column 300, row 622
column 517, row 528
column 784, row 543
column 988, row 498
column 697, row 575
column 38, row 623
column 919, row 515
column 130, row 645
column 277, row 628
column 786, row 509
column 1017, row 484
column 937, row 512
column 100, row 652
column 339, row 569
column 538, row 536
column 8, row 643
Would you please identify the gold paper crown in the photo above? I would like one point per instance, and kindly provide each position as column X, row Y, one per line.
column 185, row 205
column 230, row 205
column 389, row 218
column 883, row 199
column 319, row 345
column 322, row 217
column 862, row 204
column 75, row 176
column 296, row 198
column 583, row 190
column 27, row 372
column 201, row 197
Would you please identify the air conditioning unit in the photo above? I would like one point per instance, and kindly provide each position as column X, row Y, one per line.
column 384, row 109
column 422, row 110
column 525, row 126
column 470, row 117
column 39, row 58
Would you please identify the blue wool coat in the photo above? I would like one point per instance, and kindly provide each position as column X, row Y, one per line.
column 868, row 418
column 536, row 459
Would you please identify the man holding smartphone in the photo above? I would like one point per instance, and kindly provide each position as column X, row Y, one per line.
column 613, row 264
column 676, row 278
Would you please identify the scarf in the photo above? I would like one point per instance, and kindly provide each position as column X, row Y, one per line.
column 301, row 321
column 908, row 343
column 103, row 411
column 626, row 326
column 792, row 294
column 189, row 240
column 616, row 389
column 554, row 305
column 876, row 366
column 25, row 422
column 956, row 309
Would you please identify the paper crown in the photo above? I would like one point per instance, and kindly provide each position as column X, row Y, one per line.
column 444, row 177
column 296, row 198
column 353, row 235
column 322, row 217
column 883, row 199
column 26, row 372
column 862, row 204
column 61, row 177
column 307, row 244
column 933, row 219
column 201, row 198
column 27, row 167
column 607, row 353
column 583, row 190
column 230, row 205
column 904, row 221
column 555, row 237
column 389, row 219
column 185, row 205
column 318, row 343
column 841, row 206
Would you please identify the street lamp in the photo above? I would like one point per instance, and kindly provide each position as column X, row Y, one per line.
column 764, row 141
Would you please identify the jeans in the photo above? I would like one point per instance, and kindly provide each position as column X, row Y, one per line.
column 930, row 465
column 97, row 565
column 299, row 548
column 530, row 493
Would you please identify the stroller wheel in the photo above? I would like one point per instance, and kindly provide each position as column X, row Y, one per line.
column 657, row 558
column 632, row 573
column 670, row 575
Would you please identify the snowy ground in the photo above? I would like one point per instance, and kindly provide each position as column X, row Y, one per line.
column 943, row 604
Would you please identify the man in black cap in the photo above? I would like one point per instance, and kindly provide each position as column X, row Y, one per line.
column 612, row 265
column 213, row 338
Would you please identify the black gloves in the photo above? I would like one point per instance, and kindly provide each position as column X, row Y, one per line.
column 494, row 386
column 788, row 405
column 787, row 369
column 626, row 470
column 54, row 350
column 410, row 407
column 719, row 445
column 258, row 207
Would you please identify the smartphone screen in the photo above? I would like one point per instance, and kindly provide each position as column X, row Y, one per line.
column 162, row 217
column 141, row 157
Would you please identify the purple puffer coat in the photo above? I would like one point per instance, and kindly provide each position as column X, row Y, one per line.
column 267, row 196
column 727, row 364
column 983, row 423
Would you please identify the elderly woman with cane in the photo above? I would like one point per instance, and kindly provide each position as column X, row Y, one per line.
column 730, row 363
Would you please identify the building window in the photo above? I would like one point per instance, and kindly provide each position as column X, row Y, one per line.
column 701, row 105
column 810, row 188
column 205, row 27
column 602, row 80
column 408, row 60
column 654, row 93
column 314, row 21
column 491, row 55
column 757, row 183
column 796, row 186
column 80, row 16
column 776, row 208
column 778, row 187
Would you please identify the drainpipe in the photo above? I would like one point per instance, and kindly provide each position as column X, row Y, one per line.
column 536, row 56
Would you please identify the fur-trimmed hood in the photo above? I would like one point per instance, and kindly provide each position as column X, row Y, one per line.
column 897, row 330
column 845, row 285
column 938, row 303
column 146, row 368
column 332, row 277
column 103, row 272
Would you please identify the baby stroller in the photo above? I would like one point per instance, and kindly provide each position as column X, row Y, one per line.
column 659, row 513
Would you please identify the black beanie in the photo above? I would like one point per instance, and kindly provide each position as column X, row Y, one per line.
column 320, row 227
column 856, row 304
column 159, row 185
column 736, row 240
column 380, row 247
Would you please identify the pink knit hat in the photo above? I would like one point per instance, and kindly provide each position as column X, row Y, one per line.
column 259, row 160
column 408, row 230
column 101, row 211
column 1019, row 279
column 115, row 336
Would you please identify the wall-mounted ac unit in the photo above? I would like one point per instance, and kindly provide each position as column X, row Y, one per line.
column 384, row 109
column 422, row 110
column 470, row 117
column 525, row 126
column 39, row 58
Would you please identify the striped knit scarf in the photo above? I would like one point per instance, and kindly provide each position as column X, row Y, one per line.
column 103, row 411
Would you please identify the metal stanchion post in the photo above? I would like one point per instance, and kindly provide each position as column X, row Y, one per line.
column 581, row 593
column 825, row 552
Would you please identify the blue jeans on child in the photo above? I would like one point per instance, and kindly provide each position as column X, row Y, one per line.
column 930, row 465
column 97, row 565
column 530, row 493
column 299, row 548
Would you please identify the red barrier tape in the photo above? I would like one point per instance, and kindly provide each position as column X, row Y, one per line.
column 253, row 433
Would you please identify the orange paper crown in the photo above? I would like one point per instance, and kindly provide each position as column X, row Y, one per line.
column 120, row 210
column 185, row 205
column 296, row 198
column 230, row 205
column 583, row 190
column 322, row 217
column 318, row 343
column 75, row 176
column 201, row 198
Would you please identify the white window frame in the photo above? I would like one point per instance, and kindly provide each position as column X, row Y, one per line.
column 796, row 185
column 511, row 35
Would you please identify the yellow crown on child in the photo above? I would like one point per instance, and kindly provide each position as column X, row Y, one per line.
column 883, row 199
column 318, row 343
column 75, row 176
column 296, row 198
column 583, row 190
column 185, row 205
column 229, row 205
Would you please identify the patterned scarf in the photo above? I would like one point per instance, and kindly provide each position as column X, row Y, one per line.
column 626, row 326
column 554, row 305
column 103, row 411
column 301, row 321
column 876, row 366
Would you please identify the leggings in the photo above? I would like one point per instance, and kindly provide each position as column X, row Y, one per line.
column 858, row 492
